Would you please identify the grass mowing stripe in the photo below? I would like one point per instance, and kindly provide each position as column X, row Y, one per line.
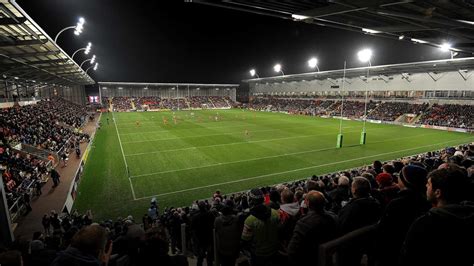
column 294, row 170
column 221, row 134
column 123, row 155
column 231, row 143
column 270, row 157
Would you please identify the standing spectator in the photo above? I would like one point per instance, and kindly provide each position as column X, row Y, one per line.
column 444, row 235
column 400, row 213
column 201, row 226
column 55, row 176
column 228, row 230
column 46, row 221
column 261, row 231
column 317, row 227
column 289, row 214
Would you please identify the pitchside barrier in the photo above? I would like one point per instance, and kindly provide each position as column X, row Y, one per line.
column 72, row 193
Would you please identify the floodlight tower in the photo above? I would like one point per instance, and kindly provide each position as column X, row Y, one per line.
column 77, row 29
column 90, row 59
column 277, row 68
column 446, row 47
column 95, row 67
column 313, row 63
column 364, row 56
column 253, row 73
column 86, row 50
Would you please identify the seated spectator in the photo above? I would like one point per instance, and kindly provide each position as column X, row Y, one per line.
column 444, row 235
column 400, row 213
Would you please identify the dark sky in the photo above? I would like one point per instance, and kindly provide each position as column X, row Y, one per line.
column 173, row 41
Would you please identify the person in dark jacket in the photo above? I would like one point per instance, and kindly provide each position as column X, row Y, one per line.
column 315, row 228
column 88, row 248
column 55, row 177
column 400, row 213
column 362, row 210
column 228, row 230
column 340, row 194
column 201, row 227
column 444, row 235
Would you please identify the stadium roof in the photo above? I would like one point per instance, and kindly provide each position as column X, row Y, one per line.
column 111, row 83
column 428, row 22
column 465, row 67
column 28, row 54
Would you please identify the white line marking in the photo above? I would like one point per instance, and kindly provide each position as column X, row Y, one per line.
column 232, row 143
column 224, row 133
column 290, row 171
column 266, row 157
column 123, row 155
column 186, row 129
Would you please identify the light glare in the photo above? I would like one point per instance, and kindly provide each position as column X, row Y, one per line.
column 277, row 68
column 364, row 55
column 252, row 72
column 445, row 47
column 313, row 62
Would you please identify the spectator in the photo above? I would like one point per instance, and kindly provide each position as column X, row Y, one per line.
column 261, row 230
column 201, row 226
column 228, row 231
column 400, row 213
column 88, row 247
column 55, row 177
column 315, row 228
column 11, row 258
column 362, row 210
column 446, row 232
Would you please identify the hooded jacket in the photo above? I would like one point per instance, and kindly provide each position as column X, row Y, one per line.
column 261, row 228
column 228, row 231
column 443, row 236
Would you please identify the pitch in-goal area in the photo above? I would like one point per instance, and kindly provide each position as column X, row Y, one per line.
column 182, row 156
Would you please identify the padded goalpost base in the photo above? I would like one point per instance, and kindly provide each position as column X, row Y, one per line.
column 363, row 137
column 340, row 138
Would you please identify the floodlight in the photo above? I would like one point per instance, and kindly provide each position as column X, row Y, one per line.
column 313, row 62
column 252, row 72
column 93, row 59
column 364, row 55
column 96, row 66
column 445, row 47
column 277, row 68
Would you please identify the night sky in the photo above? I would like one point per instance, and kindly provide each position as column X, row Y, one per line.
column 173, row 41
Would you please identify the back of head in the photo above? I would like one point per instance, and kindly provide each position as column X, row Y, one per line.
column 360, row 187
column 90, row 239
column 452, row 181
column 256, row 197
column 414, row 177
column 287, row 196
column 316, row 201
column 343, row 181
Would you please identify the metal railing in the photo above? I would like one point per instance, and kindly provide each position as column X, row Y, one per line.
column 328, row 252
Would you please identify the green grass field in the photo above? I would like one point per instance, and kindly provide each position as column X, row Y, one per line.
column 188, row 161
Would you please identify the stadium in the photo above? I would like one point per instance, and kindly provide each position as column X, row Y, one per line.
column 365, row 159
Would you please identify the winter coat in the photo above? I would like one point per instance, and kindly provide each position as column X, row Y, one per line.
column 443, row 236
column 74, row 257
column 311, row 231
column 228, row 232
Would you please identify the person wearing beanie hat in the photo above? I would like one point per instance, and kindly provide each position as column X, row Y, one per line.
column 409, row 204
column 414, row 177
column 260, row 233
column 387, row 190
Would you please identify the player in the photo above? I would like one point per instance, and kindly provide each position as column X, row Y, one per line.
column 165, row 121
column 137, row 123
column 246, row 133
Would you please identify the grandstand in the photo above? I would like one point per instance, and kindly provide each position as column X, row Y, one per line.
column 358, row 166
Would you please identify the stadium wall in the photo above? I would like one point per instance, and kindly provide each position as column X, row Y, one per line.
column 173, row 92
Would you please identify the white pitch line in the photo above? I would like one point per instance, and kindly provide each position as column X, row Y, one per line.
column 263, row 158
column 231, row 143
column 290, row 171
column 182, row 129
column 123, row 155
